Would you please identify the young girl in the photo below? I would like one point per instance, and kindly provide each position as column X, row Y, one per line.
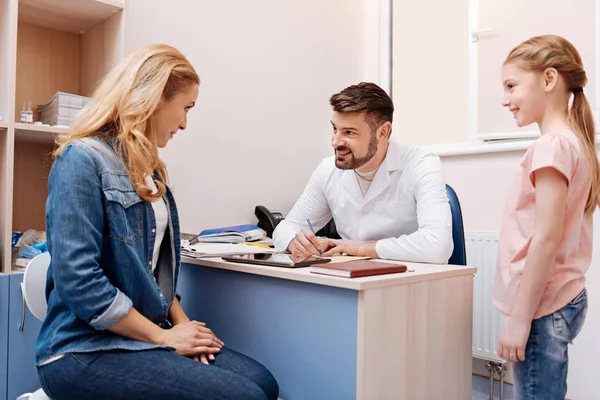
column 115, row 329
column 546, row 236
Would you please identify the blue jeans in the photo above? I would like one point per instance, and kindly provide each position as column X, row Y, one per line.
column 543, row 374
column 156, row 374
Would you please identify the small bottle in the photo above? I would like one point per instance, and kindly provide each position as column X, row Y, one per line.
column 23, row 114
column 29, row 113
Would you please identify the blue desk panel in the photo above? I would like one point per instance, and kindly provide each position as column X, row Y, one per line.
column 4, row 307
column 306, row 334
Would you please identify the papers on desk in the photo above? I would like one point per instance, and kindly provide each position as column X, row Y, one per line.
column 203, row 250
column 232, row 234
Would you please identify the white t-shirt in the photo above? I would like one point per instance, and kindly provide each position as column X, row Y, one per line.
column 161, row 216
column 365, row 179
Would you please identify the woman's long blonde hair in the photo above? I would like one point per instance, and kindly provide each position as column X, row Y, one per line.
column 123, row 104
column 550, row 51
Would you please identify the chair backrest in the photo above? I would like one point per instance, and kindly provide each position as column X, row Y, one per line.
column 459, row 254
column 34, row 285
column 329, row 230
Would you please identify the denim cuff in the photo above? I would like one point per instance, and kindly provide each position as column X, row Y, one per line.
column 114, row 313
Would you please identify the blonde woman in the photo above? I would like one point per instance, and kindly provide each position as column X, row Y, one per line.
column 115, row 329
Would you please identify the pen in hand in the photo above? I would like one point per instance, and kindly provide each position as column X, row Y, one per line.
column 313, row 231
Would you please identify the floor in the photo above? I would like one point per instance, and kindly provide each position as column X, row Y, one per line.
column 481, row 389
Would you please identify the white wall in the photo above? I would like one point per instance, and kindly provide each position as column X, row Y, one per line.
column 261, row 124
column 481, row 182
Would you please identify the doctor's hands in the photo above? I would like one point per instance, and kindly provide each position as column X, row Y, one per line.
column 352, row 248
column 305, row 243
column 192, row 339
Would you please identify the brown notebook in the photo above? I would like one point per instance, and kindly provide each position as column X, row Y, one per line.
column 357, row 268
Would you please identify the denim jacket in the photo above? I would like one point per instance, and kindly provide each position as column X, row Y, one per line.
column 100, row 235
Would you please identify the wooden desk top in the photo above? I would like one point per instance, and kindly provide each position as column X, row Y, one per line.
column 422, row 272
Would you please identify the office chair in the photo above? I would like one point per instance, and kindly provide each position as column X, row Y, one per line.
column 329, row 230
column 459, row 254
column 34, row 293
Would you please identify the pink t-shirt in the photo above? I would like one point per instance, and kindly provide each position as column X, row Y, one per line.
column 563, row 152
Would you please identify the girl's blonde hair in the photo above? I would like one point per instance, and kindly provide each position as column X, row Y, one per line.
column 550, row 51
column 122, row 107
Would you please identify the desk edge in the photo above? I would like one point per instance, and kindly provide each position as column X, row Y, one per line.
column 326, row 280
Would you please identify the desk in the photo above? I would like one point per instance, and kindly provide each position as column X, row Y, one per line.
column 399, row 336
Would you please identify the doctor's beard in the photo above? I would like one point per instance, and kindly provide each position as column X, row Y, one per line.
column 353, row 162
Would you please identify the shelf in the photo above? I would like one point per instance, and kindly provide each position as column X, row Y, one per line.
column 3, row 125
column 73, row 16
column 38, row 134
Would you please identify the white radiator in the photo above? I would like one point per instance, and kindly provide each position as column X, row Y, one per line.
column 488, row 322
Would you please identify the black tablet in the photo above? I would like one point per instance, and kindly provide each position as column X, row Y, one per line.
column 276, row 260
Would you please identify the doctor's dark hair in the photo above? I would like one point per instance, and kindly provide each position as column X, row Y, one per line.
column 365, row 97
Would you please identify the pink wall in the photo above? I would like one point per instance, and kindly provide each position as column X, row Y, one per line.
column 481, row 182
column 514, row 21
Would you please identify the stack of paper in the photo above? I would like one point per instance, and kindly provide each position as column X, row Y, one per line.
column 62, row 109
column 232, row 234
column 201, row 250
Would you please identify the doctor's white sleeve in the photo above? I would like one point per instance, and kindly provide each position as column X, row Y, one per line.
column 311, row 205
column 432, row 242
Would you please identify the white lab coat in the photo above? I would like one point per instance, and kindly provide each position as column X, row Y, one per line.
column 405, row 209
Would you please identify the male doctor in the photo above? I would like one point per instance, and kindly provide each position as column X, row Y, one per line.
column 387, row 201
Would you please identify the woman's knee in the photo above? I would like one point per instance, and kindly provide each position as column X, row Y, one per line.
column 267, row 382
column 251, row 369
column 242, row 389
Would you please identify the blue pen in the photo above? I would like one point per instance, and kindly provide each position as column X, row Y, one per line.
column 313, row 231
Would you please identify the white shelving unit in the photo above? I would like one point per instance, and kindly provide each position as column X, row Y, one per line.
column 38, row 134
column 46, row 46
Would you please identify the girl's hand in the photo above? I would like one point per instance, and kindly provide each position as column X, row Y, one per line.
column 513, row 340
